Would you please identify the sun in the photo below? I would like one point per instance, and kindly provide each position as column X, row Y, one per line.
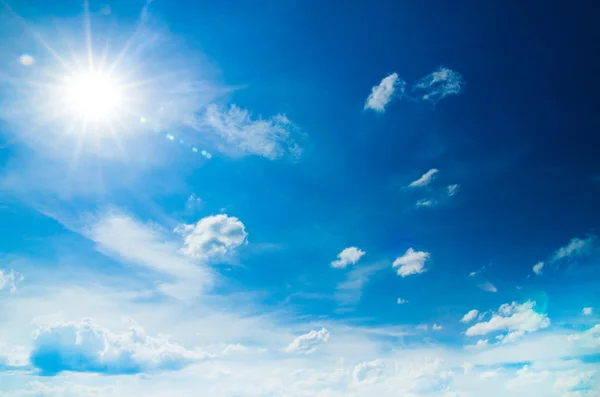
column 94, row 96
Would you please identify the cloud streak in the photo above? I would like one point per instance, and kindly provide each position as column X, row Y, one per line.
column 382, row 94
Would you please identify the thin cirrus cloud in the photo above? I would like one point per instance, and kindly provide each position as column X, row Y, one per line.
column 309, row 342
column 382, row 94
column 9, row 280
column 425, row 179
column 439, row 84
column 348, row 256
column 577, row 247
column 537, row 268
column 412, row 262
column 488, row 287
column 452, row 189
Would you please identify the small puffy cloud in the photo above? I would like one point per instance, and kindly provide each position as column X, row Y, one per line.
column 382, row 93
column 215, row 235
column 308, row 343
column 425, row 203
column 470, row 316
column 271, row 138
column 515, row 319
column 348, row 256
column 9, row 280
column 425, row 179
column 576, row 248
column 86, row 347
column 437, row 327
column 401, row 301
column 452, row 189
column 587, row 311
column 537, row 268
column 467, row 367
column 412, row 262
column 488, row 287
column 368, row 372
column 473, row 274
column 439, row 84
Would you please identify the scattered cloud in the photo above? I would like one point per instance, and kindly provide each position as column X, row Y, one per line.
column 515, row 319
column 470, row 316
column 412, row 262
column 425, row 203
column 215, row 235
column 437, row 327
column 488, row 287
column 425, row 179
column 525, row 376
column 576, row 248
column 587, row 311
column 537, row 268
column 452, row 189
column 368, row 372
column 489, row 374
column 349, row 291
column 9, row 280
column 193, row 203
column 401, row 301
column 439, row 84
column 348, row 256
column 86, row 347
column 473, row 274
column 382, row 93
column 271, row 138
column 308, row 343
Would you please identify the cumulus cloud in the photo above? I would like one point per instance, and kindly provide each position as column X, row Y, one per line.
column 576, row 248
column 452, row 189
column 401, row 301
column 537, row 268
column 587, row 311
column 412, row 262
column 425, row 179
column 9, row 280
column 470, row 316
column 271, row 138
column 87, row 347
column 515, row 319
column 348, row 256
column 368, row 372
column 382, row 93
column 215, row 235
column 488, row 287
column 437, row 327
column 308, row 343
column 439, row 84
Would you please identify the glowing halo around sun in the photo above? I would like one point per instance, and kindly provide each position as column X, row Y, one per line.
column 93, row 96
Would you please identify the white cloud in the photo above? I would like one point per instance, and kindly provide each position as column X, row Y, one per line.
column 587, row 340
column 368, row 372
column 425, row 203
column 576, row 248
column 350, row 290
column 574, row 381
column 425, row 179
column 382, row 93
column 481, row 343
column 86, row 347
column 271, row 138
column 308, row 343
column 537, row 268
column 412, row 262
column 489, row 374
column 437, row 327
column 488, row 287
column 215, row 235
column 439, row 84
column 452, row 189
column 473, row 274
column 193, row 202
column 525, row 377
column 10, row 280
column 470, row 316
column 348, row 256
column 401, row 301
column 587, row 311
column 515, row 318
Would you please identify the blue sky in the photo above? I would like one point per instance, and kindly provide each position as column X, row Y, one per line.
column 291, row 198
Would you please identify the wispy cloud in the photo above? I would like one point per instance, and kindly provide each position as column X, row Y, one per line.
column 401, row 301
column 349, row 291
column 439, row 84
column 587, row 311
column 488, row 287
column 425, row 203
column 425, row 179
column 382, row 93
column 577, row 247
column 537, row 268
column 308, row 343
column 470, row 316
column 412, row 262
column 348, row 256
column 9, row 280
column 452, row 189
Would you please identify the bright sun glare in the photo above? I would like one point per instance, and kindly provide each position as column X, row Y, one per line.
column 93, row 95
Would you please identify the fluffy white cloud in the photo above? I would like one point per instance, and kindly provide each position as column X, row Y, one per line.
column 537, row 268
column 488, row 287
column 587, row 311
column 9, row 280
column 308, row 343
column 577, row 247
column 382, row 93
column 412, row 262
column 470, row 316
column 215, row 235
column 587, row 340
column 401, row 301
column 271, row 138
column 86, row 347
column 425, row 179
column 574, row 381
column 515, row 318
column 368, row 372
column 348, row 256
column 439, row 84
column 452, row 189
